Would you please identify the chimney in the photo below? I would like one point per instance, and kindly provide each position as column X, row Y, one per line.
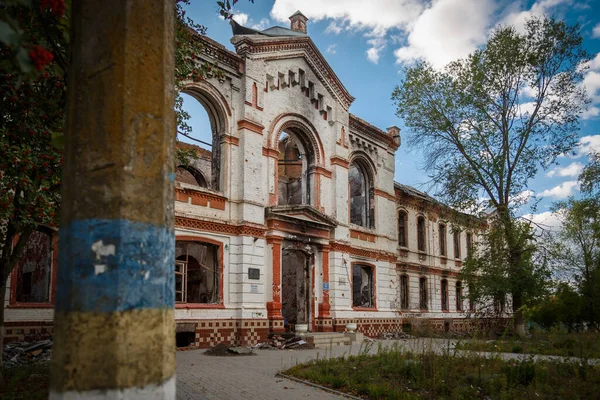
column 394, row 133
column 298, row 22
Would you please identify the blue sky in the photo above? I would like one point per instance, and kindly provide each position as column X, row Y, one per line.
column 368, row 43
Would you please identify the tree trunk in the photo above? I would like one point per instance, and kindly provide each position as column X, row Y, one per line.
column 519, row 321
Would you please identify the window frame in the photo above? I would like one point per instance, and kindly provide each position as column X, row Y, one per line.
column 459, row 296
column 421, row 234
column 423, row 293
column 14, row 276
column 445, row 303
column 373, row 285
column 220, row 260
column 403, row 233
column 368, row 182
column 443, row 240
column 470, row 244
column 404, row 292
column 456, row 241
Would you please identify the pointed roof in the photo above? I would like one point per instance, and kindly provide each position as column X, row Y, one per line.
column 274, row 31
column 298, row 13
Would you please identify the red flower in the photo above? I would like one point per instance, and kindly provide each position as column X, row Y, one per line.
column 56, row 6
column 40, row 57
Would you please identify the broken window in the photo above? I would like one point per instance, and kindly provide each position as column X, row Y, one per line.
column 456, row 244
column 402, row 239
column 362, row 286
column 423, row 293
column 293, row 171
column 459, row 296
column 404, row 292
column 421, row 233
column 197, row 273
column 190, row 175
column 34, row 270
column 444, row 295
column 443, row 240
column 362, row 205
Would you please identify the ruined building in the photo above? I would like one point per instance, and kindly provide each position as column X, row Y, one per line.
column 292, row 217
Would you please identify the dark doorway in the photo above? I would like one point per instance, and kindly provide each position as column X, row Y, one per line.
column 295, row 288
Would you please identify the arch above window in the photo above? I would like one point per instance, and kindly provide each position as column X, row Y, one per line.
column 361, row 194
column 190, row 175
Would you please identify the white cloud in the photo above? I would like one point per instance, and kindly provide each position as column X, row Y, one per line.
column 547, row 220
column 334, row 28
column 448, row 30
column 518, row 18
column 588, row 144
column 571, row 170
column 561, row 191
column 591, row 82
column 331, row 49
column 262, row 24
column 240, row 18
column 596, row 31
column 522, row 197
column 377, row 45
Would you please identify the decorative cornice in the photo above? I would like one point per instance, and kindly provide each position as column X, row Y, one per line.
column 217, row 227
column 251, row 126
column 218, row 52
column 356, row 251
column 312, row 55
column 362, row 126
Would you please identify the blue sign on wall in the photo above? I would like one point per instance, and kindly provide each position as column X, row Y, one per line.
column 325, row 285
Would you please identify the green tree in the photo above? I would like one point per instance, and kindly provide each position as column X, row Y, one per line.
column 489, row 122
column 577, row 250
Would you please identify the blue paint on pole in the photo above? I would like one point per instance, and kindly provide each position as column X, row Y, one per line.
column 115, row 265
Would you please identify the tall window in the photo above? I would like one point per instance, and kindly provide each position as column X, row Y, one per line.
column 362, row 206
column 472, row 306
column 402, row 239
column 444, row 295
column 469, row 243
column 197, row 273
column 404, row 292
column 459, row 296
column 34, row 270
column 293, row 166
column 443, row 240
column 499, row 300
column 362, row 286
column 423, row 293
column 456, row 244
column 421, row 233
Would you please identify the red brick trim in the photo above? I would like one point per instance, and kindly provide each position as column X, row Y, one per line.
column 356, row 251
column 251, row 126
column 381, row 193
column 342, row 162
column 217, row 227
column 367, row 237
column 267, row 152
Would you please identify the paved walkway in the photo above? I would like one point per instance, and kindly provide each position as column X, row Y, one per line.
column 253, row 377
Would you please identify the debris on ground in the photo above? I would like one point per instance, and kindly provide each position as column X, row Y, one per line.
column 278, row 342
column 223, row 349
column 23, row 353
column 395, row 335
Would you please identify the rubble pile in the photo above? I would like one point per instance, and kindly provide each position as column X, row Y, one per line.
column 278, row 342
column 223, row 349
column 395, row 335
column 22, row 353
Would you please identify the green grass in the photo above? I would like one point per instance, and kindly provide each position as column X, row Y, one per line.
column 584, row 345
column 29, row 382
column 394, row 374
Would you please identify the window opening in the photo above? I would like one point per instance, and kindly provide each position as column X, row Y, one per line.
column 444, row 295
column 404, row 292
column 402, row 239
column 362, row 205
column 34, row 270
column 293, row 171
column 456, row 244
column 443, row 240
column 362, row 286
column 459, row 296
column 421, row 233
column 197, row 273
column 423, row 293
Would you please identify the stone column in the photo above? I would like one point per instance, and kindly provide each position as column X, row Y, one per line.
column 114, row 312
column 274, row 307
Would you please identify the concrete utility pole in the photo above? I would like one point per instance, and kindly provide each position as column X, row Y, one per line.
column 114, row 325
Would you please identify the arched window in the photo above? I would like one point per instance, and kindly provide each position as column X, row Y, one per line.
column 362, row 205
column 456, row 244
column 294, row 169
column 33, row 271
column 459, row 296
column 197, row 273
column 423, row 293
column 444, row 295
column 443, row 240
column 204, row 129
column 421, row 233
column 190, row 175
column 404, row 294
column 402, row 224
